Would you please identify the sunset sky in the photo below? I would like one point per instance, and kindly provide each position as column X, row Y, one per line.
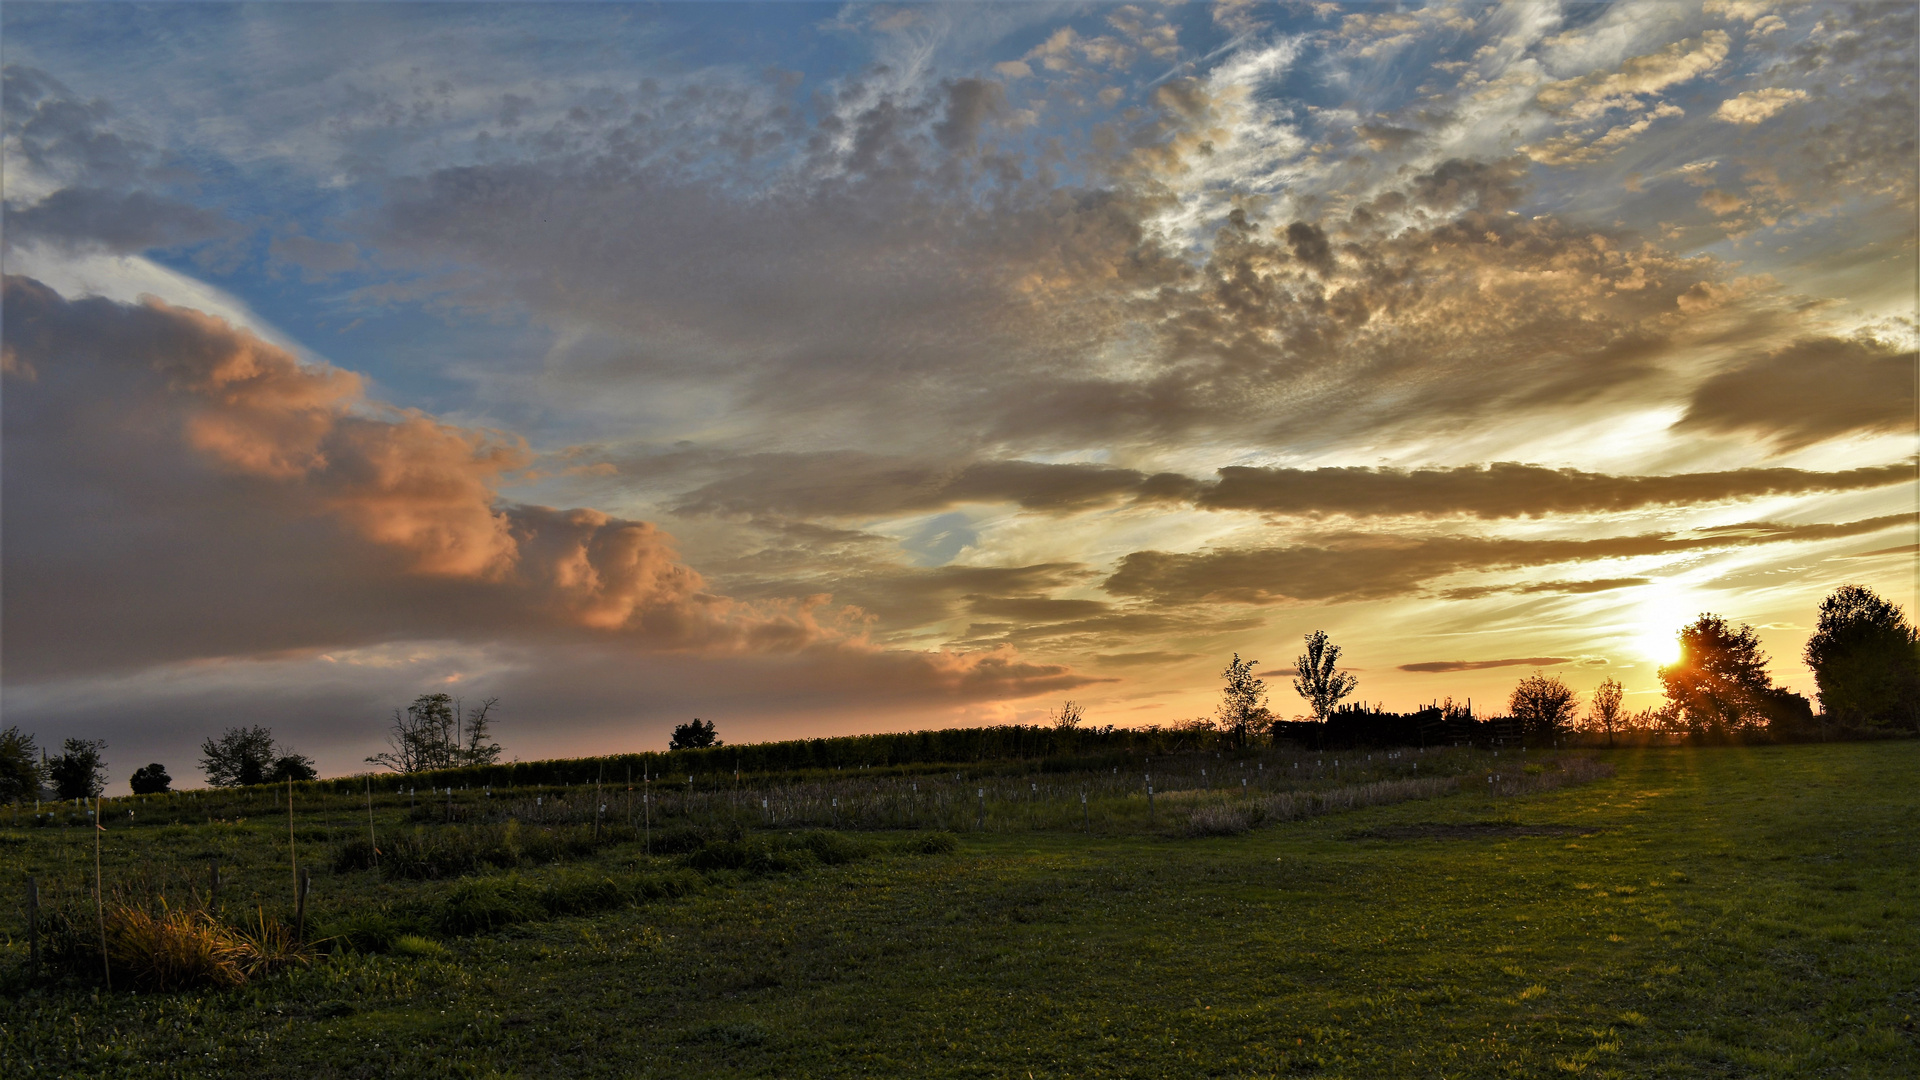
column 817, row 369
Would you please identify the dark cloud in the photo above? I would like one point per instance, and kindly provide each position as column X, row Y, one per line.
column 1813, row 389
column 1359, row 567
column 849, row 483
column 971, row 103
column 1567, row 588
column 852, row 484
column 1509, row 489
column 1482, row 665
column 129, row 222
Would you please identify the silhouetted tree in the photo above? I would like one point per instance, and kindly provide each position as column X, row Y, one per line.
column 79, row 772
column 1544, row 705
column 150, row 780
column 693, row 735
column 1318, row 680
column 479, row 748
column 1720, row 683
column 1605, row 713
column 1865, row 658
column 421, row 737
column 1068, row 716
column 1243, row 702
column 244, row 756
column 21, row 772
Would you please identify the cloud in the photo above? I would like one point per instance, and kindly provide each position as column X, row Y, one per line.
column 1598, row 92
column 1510, row 489
column 1482, row 665
column 1362, row 567
column 179, row 489
column 1815, row 389
column 849, row 484
column 1753, row 106
column 123, row 222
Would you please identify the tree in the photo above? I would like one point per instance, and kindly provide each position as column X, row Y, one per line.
column 693, row 736
column 479, row 748
column 1605, row 713
column 421, row 737
column 79, row 772
column 1068, row 716
column 1319, row 682
column 1243, row 702
column 244, row 756
column 1720, row 682
column 292, row 767
column 21, row 773
column 150, row 780
column 1544, row 705
column 1865, row 659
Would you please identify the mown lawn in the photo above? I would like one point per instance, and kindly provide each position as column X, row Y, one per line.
column 1708, row 912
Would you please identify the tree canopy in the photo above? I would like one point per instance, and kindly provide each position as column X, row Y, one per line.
column 244, row 756
column 1318, row 679
column 1720, row 683
column 693, row 735
column 20, row 771
column 1544, row 704
column 1243, row 702
column 150, row 780
column 1865, row 658
column 80, row 772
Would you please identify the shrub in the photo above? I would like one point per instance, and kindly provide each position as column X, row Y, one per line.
column 474, row 907
column 835, row 848
column 356, row 854
column 933, row 843
column 369, row 932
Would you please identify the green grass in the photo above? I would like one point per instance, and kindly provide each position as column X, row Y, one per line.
column 1707, row 912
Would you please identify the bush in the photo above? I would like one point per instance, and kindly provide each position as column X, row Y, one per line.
column 933, row 843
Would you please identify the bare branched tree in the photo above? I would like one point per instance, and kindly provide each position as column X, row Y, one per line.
column 1605, row 713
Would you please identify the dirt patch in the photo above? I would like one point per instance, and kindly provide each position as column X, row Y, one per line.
column 1468, row 830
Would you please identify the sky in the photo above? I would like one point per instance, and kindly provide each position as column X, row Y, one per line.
column 817, row 369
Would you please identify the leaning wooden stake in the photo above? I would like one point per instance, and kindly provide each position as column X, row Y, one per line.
column 373, row 844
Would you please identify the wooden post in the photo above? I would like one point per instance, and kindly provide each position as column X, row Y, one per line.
column 33, row 923
column 293, row 861
column 373, row 844
column 1086, row 814
column 300, row 904
column 980, row 818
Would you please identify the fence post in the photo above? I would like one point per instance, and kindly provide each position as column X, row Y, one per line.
column 1086, row 814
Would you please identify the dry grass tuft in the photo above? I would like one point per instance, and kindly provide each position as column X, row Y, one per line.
column 173, row 950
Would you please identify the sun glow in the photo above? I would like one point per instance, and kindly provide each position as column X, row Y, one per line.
column 1660, row 622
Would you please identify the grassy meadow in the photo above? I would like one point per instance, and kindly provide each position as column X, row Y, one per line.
column 1740, row 911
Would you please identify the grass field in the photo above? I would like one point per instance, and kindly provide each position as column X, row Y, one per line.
column 1705, row 912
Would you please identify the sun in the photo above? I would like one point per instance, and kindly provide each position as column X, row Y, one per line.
column 1658, row 637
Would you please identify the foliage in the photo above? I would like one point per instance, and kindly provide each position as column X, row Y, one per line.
column 1865, row 658
column 1243, row 702
column 1544, row 705
column 150, row 780
column 245, row 756
column 80, row 772
column 1318, row 680
column 1720, row 683
column 1606, row 713
column 696, row 734
column 21, row 773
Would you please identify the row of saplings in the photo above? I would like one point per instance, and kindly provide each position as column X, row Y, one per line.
column 159, row 947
